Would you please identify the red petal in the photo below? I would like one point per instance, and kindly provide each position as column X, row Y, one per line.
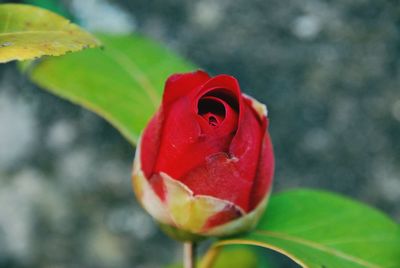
column 265, row 173
column 179, row 85
column 179, row 139
column 222, row 217
column 219, row 177
column 246, row 145
column 183, row 144
column 150, row 144
column 209, row 163
column 222, row 81
column 176, row 86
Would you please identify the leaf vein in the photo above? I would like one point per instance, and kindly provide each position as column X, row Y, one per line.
column 317, row 246
column 136, row 74
column 34, row 32
column 7, row 21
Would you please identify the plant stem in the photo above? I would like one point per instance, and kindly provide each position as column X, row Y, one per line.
column 189, row 254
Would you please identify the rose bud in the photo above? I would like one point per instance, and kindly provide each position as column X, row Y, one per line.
column 205, row 163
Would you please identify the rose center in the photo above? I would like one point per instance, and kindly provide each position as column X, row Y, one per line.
column 212, row 110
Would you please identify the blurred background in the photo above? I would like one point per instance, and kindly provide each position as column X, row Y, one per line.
column 329, row 72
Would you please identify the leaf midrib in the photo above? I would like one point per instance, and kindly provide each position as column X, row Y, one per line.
column 317, row 246
column 7, row 21
column 134, row 72
column 35, row 32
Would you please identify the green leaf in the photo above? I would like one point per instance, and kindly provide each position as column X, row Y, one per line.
column 122, row 83
column 28, row 32
column 236, row 257
column 320, row 229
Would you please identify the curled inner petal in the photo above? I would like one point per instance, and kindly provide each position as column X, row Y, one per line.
column 212, row 110
column 217, row 111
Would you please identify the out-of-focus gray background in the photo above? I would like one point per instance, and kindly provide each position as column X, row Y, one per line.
column 329, row 72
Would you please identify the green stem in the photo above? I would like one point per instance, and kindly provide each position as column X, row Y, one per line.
column 189, row 255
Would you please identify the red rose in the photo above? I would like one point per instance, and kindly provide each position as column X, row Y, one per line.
column 205, row 161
